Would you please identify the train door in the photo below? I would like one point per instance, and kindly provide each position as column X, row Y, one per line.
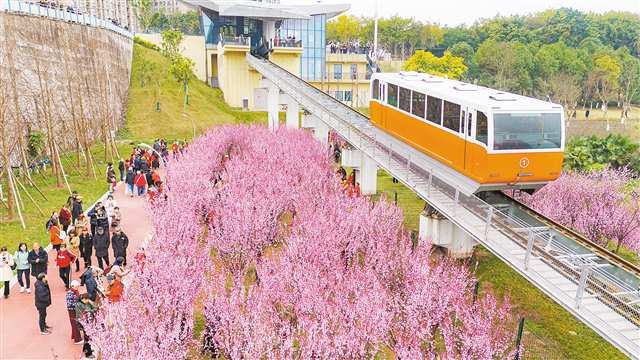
column 468, row 122
column 383, row 100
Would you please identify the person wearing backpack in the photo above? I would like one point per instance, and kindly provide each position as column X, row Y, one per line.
column 6, row 269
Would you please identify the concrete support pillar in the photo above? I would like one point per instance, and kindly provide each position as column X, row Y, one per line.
column 442, row 232
column 351, row 158
column 367, row 175
column 272, row 106
column 293, row 114
column 321, row 131
column 308, row 121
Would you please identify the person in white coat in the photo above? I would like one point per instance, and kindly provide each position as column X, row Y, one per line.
column 6, row 269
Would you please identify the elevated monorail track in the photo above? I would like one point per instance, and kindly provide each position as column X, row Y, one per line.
column 598, row 287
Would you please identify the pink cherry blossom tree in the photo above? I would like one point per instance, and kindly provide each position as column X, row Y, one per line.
column 256, row 229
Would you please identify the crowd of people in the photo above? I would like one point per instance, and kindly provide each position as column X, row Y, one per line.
column 348, row 183
column 75, row 236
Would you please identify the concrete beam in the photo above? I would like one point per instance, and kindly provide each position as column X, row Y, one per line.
column 293, row 111
column 273, row 106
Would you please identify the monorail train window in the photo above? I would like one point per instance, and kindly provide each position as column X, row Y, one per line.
column 417, row 104
column 527, row 131
column 451, row 116
column 434, row 110
column 405, row 99
column 376, row 89
column 392, row 94
column 482, row 128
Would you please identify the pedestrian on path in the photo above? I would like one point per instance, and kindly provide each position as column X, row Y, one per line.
column 121, row 169
column 6, row 269
column 73, row 297
column 64, row 259
column 21, row 258
column 76, row 209
column 141, row 183
column 54, row 235
column 86, row 246
column 130, row 180
column 119, row 243
column 89, row 281
column 43, row 301
column 73, row 245
column 38, row 259
column 101, row 243
column 65, row 217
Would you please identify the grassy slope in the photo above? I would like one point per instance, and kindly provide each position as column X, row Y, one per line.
column 11, row 233
column 550, row 331
column 206, row 105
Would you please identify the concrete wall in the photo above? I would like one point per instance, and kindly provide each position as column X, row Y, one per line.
column 193, row 47
column 72, row 77
column 236, row 80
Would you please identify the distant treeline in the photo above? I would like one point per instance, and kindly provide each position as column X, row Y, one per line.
column 563, row 54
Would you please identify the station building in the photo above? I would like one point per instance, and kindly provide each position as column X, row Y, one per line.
column 290, row 35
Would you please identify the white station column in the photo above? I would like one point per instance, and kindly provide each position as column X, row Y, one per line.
column 272, row 106
column 367, row 175
column 293, row 112
column 442, row 232
column 321, row 130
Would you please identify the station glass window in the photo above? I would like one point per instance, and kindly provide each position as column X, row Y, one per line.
column 392, row 95
column 339, row 95
column 451, row 116
column 405, row 99
column 527, row 131
column 375, row 91
column 417, row 104
column 434, row 110
column 354, row 71
column 482, row 128
column 348, row 95
column 337, row 71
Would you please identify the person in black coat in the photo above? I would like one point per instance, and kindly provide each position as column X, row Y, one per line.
column 76, row 209
column 43, row 301
column 86, row 246
column 38, row 259
column 119, row 243
column 101, row 244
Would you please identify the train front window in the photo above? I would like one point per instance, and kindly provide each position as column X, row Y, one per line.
column 392, row 95
column 375, row 89
column 527, row 131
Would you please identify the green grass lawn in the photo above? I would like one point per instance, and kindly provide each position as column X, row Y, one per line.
column 550, row 331
column 206, row 106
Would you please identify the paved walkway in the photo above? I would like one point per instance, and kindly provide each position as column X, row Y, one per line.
column 19, row 334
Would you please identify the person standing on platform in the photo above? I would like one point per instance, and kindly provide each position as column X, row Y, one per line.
column 38, row 259
column 101, row 243
column 86, row 246
column 6, row 269
column 64, row 259
column 120, row 243
column 21, row 258
column 73, row 297
column 43, row 301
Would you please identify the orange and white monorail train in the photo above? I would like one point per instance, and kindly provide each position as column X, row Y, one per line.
column 497, row 139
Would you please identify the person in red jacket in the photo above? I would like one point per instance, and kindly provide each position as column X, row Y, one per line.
column 64, row 259
column 141, row 183
column 356, row 190
column 64, row 217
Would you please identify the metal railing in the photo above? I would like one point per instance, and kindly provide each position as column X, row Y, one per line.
column 240, row 40
column 347, row 76
column 575, row 280
column 62, row 14
column 286, row 43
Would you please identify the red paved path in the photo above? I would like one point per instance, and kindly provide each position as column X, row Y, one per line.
column 19, row 334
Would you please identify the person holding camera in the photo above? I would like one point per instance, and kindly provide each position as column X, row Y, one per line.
column 6, row 269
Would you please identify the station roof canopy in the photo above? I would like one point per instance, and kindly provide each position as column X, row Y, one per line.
column 263, row 10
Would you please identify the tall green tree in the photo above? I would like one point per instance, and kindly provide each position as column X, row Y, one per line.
column 603, row 78
column 629, row 79
column 144, row 13
column 171, row 41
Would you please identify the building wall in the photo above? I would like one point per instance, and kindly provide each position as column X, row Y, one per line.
column 288, row 58
column 192, row 48
column 236, row 80
column 348, row 87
